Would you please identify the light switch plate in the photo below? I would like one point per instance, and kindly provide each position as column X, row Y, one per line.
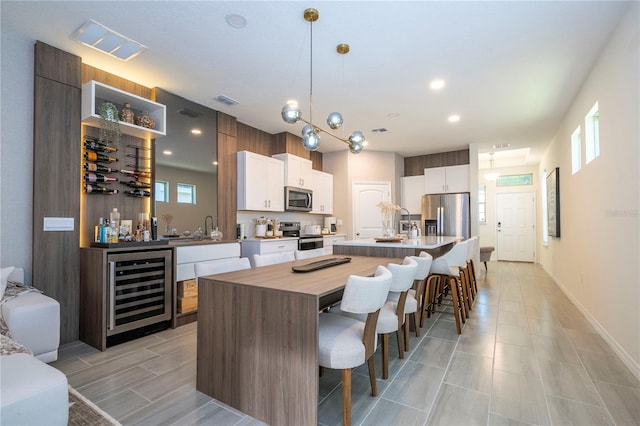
column 58, row 224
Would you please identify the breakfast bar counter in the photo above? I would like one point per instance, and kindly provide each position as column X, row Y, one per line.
column 434, row 245
column 258, row 336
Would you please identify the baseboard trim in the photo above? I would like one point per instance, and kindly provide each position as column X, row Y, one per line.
column 613, row 344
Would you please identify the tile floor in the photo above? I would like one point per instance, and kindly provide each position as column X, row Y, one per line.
column 526, row 356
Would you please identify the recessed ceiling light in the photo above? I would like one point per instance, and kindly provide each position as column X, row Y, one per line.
column 167, row 152
column 454, row 118
column 235, row 20
column 365, row 143
column 436, row 84
column 196, row 131
column 215, row 163
column 106, row 40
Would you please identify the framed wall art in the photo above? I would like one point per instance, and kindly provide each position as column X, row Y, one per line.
column 553, row 202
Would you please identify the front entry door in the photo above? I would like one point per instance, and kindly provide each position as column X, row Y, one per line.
column 515, row 226
column 367, row 216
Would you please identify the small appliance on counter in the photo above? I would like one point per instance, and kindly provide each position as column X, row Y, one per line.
column 312, row 230
column 330, row 223
column 306, row 241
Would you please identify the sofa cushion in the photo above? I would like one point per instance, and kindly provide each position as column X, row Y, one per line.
column 4, row 277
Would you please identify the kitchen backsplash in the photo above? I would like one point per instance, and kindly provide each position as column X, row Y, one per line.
column 247, row 218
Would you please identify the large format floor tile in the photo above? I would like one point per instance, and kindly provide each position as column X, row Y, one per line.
column 526, row 356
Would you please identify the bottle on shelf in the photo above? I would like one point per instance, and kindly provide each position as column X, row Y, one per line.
column 97, row 189
column 95, row 156
column 136, row 173
column 114, row 219
column 138, row 184
column 95, row 167
column 104, row 232
column 93, row 177
column 98, row 228
column 96, row 145
column 138, row 193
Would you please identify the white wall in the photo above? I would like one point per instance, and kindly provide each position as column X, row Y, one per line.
column 16, row 150
column 596, row 259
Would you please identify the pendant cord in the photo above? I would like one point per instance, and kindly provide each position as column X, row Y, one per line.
column 311, row 73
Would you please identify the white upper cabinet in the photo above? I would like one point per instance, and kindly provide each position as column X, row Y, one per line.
column 297, row 170
column 322, row 186
column 412, row 190
column 260, row 182
column 438, row 180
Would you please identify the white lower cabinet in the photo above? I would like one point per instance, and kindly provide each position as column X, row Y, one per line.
column 328, row 241
column 188, row 256
column 251, row 247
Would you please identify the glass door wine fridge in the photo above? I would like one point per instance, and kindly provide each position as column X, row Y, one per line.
column 139, row 289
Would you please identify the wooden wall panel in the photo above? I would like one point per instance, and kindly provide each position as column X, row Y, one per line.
column 227, row 179
column 227, row 125
column 56, row 181
column 254, row 140
column 414, row 166
column 91, row 73
column 288, row 143
column 316, row 159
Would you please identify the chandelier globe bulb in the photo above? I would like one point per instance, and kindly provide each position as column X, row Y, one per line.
column 311, row 140
column 334, row 120
column 291, row 113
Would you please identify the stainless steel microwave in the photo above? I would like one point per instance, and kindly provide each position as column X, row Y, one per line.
column 297, row 199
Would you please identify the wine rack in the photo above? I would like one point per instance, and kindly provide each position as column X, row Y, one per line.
column 137, row 172
column 99, row 166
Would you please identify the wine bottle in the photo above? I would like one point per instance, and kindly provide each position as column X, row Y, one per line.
column 138, row 193
column 99, row 146
column 95, row 156
column 136, row 173
column 96, row 189
column 138, row 184
column 95, row 167
column 93, row 177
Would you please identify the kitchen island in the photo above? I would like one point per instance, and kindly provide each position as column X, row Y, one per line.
column 434, row 245
column 258, row 336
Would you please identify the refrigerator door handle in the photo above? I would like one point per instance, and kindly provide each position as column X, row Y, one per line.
column 440, row 218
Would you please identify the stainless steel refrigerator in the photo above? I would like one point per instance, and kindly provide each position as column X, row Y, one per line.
column 446, row 214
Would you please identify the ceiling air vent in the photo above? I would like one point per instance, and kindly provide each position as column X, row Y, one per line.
column 379, row 130
column 188, row 112
column 226, row 100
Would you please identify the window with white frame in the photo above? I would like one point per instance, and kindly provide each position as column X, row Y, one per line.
column 576, row 151
column 592, row 134
column 482, row 203
column 186, row 193
column 162, row 191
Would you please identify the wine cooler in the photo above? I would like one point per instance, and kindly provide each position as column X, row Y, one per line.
column 139, row 289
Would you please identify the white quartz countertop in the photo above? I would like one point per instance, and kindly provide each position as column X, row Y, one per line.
column 264, row 240
column 430, row 242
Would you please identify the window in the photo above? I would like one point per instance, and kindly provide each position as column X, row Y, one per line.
column 482, row 203
column 592, row 134
column 162, row 191
column 576, row 151
column 186, row 193
column 515, row 180
column 545, row 218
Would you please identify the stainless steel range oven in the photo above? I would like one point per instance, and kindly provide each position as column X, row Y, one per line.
column 305, row 242
column 310, row 242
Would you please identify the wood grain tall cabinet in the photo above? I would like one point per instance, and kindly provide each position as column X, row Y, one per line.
column 56, row 180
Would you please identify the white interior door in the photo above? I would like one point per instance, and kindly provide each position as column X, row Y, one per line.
column 515, row 226
column 367, row 216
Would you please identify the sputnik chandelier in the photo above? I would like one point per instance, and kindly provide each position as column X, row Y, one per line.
column 291, row 112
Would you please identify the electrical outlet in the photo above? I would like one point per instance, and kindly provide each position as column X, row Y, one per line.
column 339, row 222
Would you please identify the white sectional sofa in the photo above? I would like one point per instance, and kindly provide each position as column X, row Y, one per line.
column 32, row 392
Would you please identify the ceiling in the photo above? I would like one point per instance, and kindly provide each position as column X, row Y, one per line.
column 511, row 68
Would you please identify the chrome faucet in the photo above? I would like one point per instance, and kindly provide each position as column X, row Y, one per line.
column 408, row 214
column 206, row 230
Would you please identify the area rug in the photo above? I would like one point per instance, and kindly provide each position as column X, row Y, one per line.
column 83, row 412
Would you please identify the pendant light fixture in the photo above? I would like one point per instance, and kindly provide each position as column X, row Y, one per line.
column 291, row 112
column 491, row 176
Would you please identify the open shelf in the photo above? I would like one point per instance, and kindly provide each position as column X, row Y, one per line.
column 95, row 93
